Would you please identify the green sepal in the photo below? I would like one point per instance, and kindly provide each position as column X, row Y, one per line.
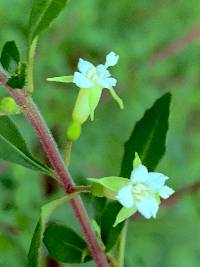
column 116, row 98
column 137, row 161
column 61, row 79
column 123, row 214
column 107, row 186
column 94, row 97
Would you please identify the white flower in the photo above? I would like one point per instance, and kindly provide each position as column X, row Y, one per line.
column 91, row 76
column 144, row 191
column 91, row 81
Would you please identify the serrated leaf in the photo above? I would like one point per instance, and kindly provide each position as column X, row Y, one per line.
column 36, row 242
column 14, row 148
column 42, row 14
column 64, row 244
column 148, row 137
column 10, row 57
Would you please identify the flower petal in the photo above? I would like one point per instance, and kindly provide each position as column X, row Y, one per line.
column 153, row 204
column 139, row 174
column 148, row 207
column 123, row 214
column 111, row 59
column 84, row 66
column 125, row 197
column 81, row 81
column 102, row 72
column 108, row 82
column 166, row 192
column 156, row 180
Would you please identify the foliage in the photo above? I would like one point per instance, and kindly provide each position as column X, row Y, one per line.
column 65, row 245
column 136, row 33
column 14, row 148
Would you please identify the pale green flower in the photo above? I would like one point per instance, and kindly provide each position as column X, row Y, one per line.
column 91, row 80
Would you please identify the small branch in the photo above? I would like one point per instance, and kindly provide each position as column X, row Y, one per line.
column 68, row 152
column 10, row 229
column 82, row 188
column 194, row 188
column 176, row 46
column 33, row 115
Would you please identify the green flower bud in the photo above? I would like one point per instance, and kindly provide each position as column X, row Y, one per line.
column 9, row 106
column 74, row 131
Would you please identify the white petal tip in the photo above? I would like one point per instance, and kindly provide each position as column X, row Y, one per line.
column 166, row 192
column 111, row 59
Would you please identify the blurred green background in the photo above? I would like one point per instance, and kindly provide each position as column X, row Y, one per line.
column 159, row 47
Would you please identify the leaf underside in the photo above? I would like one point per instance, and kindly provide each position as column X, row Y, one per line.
column 36, row 242
column 42, row 14
column 14, row 148
column 148, row 137
column 64, row 244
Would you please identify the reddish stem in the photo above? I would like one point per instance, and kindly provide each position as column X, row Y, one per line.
column 33, row 115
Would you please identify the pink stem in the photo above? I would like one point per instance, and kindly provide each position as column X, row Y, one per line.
column 34, row 117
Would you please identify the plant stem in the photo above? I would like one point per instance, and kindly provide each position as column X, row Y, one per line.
column 122, row 245
column 68, row 152
column 82, row 188
column 33, row 115
column 31, row 54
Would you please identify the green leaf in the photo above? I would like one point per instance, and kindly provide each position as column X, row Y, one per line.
column 110, row 234
column 18, row 80
column 14, row 148
column 46, row 211
column 65, row 245
column 148, row 137
column 42, row 14
column 10, row 57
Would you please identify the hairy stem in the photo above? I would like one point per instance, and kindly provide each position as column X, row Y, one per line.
column 31, row 54
column 68, row 152
column 82, row 188
column 33, row 115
